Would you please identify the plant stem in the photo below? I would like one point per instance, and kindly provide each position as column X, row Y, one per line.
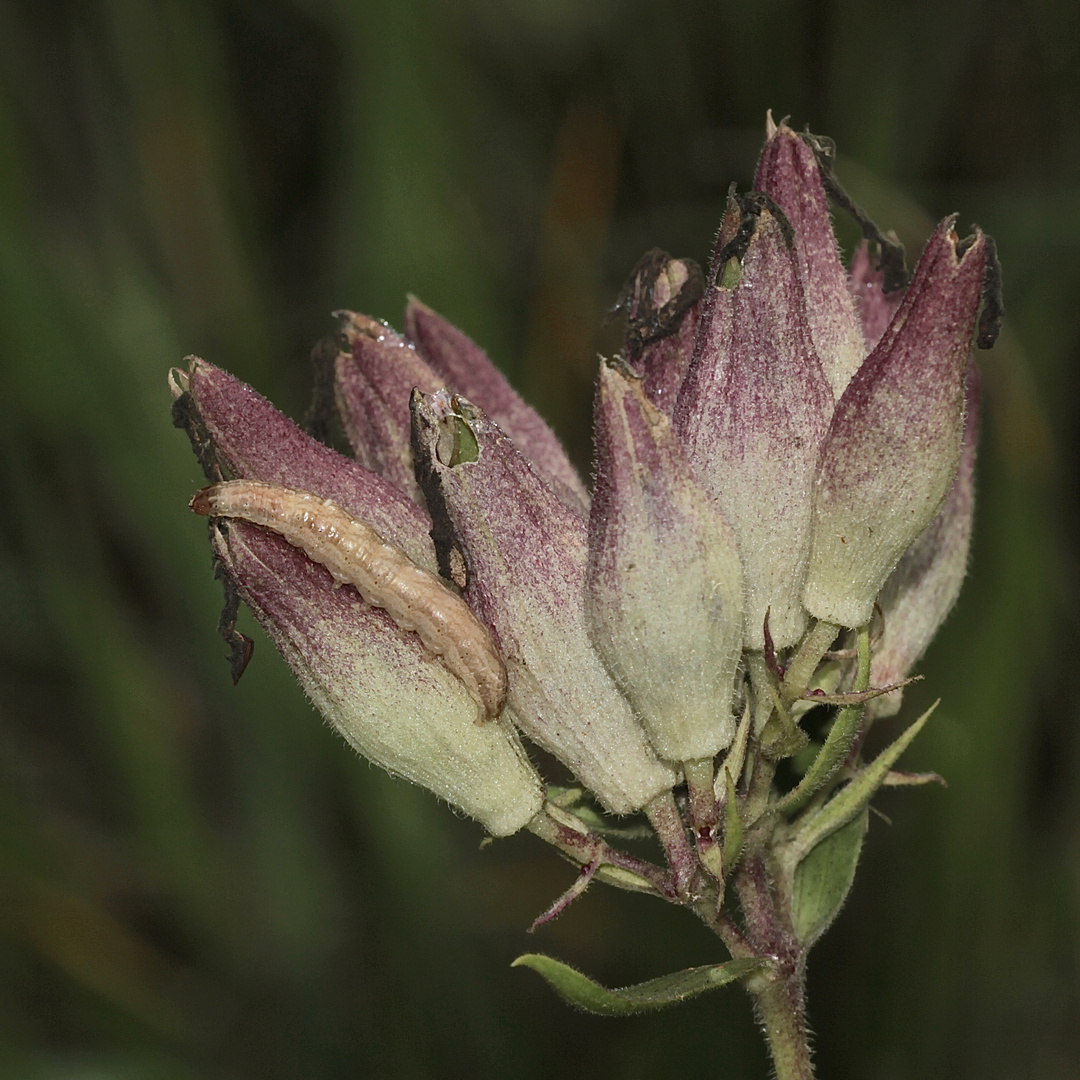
column 779, row 1006
column 705, row 814
column 778, row 995
column 572, row 837
column 724, row 927
column 667, row 823
column 700, row 780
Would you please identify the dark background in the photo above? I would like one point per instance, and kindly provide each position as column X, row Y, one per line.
column 200, row 881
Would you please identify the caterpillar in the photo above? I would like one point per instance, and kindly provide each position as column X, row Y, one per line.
column 383, row 575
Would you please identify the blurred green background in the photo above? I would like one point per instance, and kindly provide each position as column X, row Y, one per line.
column 198, row 880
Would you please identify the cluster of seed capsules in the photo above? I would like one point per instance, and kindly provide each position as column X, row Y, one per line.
column 783, row 445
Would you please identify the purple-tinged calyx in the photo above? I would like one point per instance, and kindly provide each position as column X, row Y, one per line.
column 466, row 369
column 789, row 173
column 391, row 699
column 526, row 553
column 373, row 378
column 378, row 686
column 875, row 306
column 252, row 440
column 754, row 410
column 921, row 591
column 894, row 443
column 663, row 588
column 662, row 301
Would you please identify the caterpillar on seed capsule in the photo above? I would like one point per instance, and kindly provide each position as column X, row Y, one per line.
column 383, row 575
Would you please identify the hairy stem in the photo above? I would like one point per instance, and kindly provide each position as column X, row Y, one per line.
column 700, row 777
column 779, row 1006
column 667, row 823
column 704, row 814
column 724, row 927
column 572, row 837
column 778, row 994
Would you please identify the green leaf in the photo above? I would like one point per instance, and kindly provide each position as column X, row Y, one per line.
column 823, row 878
column 854, row 796
column 580, row 990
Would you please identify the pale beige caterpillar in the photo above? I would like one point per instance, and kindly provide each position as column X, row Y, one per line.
column 355, row 554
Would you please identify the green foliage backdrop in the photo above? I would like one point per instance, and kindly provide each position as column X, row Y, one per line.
column 198, row 880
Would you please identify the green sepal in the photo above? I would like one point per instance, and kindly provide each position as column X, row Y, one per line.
column 579, row 990
column 855, row 795
column 828, row 761
column 838, row 743
column 465, row 447
column 622, row 878
column 823, row 878
column 912, row 779
column 733, row 829
column 575, row 801
column 735, row 759
column 791, row 738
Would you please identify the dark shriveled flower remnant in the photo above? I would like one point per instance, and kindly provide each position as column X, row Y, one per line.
column 784, row 458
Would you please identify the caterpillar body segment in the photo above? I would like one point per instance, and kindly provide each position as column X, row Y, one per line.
column 384, row 576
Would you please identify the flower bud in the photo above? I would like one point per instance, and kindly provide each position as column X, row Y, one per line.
column 875, row 306
column 894, row 443
column 788, row 171
column 662, row 300
column 372, row 383
column 465, row 368
column 394, row 702
column 526, row 553
column 921, row 591
column 663, row 588
column 753, row 412
column 389, row 696
column 252, row 439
